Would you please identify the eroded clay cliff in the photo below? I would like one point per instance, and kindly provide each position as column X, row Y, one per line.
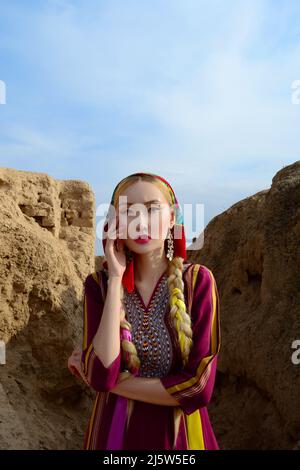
column 47, row 238
column 253, row 250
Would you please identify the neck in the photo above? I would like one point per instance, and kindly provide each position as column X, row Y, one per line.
column 149, row 266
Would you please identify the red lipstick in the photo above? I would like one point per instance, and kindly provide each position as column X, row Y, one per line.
column 143, row 239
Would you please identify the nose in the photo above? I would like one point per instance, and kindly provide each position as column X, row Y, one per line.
column 142, row 224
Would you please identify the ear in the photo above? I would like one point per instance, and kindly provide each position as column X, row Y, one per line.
column 172, row 217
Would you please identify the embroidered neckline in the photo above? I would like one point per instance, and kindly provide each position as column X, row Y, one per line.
column 153, row 295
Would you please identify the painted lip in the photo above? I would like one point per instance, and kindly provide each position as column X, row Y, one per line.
column 143, row 239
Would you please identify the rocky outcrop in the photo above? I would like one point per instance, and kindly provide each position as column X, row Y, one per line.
column 47, row 237
column 253, row 250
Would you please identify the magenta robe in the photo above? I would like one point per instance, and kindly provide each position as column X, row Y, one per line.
column 120, row 423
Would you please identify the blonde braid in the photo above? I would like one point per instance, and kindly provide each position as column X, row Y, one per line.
column 129, row 352
column 178, row 312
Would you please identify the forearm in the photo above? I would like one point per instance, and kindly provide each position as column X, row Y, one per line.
column 106, row 341
column 149, row 390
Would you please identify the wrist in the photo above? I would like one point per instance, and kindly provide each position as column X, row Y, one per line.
column 114, row 280
column 124, row 375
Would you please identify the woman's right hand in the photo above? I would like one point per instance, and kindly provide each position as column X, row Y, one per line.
column 74, row 364
column 115, row 251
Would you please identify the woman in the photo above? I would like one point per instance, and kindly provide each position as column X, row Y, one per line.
column 153, row 391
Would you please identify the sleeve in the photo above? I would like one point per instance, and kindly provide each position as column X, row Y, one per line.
column 99, row 377
column 193, row 385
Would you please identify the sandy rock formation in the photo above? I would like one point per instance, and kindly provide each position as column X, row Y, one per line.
column 253, row 250
column 47, row 237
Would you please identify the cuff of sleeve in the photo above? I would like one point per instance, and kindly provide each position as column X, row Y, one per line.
column 192, row 395
column 186, row 403
column 100, row 378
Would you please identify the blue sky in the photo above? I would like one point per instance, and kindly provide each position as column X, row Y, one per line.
column 196, row 91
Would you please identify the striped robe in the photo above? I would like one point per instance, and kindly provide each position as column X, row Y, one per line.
column 120, row 423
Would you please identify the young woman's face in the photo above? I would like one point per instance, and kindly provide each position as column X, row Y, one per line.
column 144, row 210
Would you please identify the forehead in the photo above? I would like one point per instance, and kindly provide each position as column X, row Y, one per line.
column 142, row 192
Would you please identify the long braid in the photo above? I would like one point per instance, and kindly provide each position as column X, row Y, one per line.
column 181, row 319
column 129, row 352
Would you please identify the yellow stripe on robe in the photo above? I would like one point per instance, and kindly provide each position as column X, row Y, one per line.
column 91, row 422
column 194, row 431
column 195, row 273
column 193, row 421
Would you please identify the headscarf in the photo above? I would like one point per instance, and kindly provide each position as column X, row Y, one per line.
column 177, row 231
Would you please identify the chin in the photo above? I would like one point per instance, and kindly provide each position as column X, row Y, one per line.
column 141, row 248
column 150, row 246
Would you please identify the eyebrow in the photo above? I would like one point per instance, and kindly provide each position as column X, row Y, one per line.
column 153, row 201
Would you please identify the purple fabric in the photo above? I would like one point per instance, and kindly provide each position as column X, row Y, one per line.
column 116, row 432
column 118, row 423
column 100, row 378
column 210, row 442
